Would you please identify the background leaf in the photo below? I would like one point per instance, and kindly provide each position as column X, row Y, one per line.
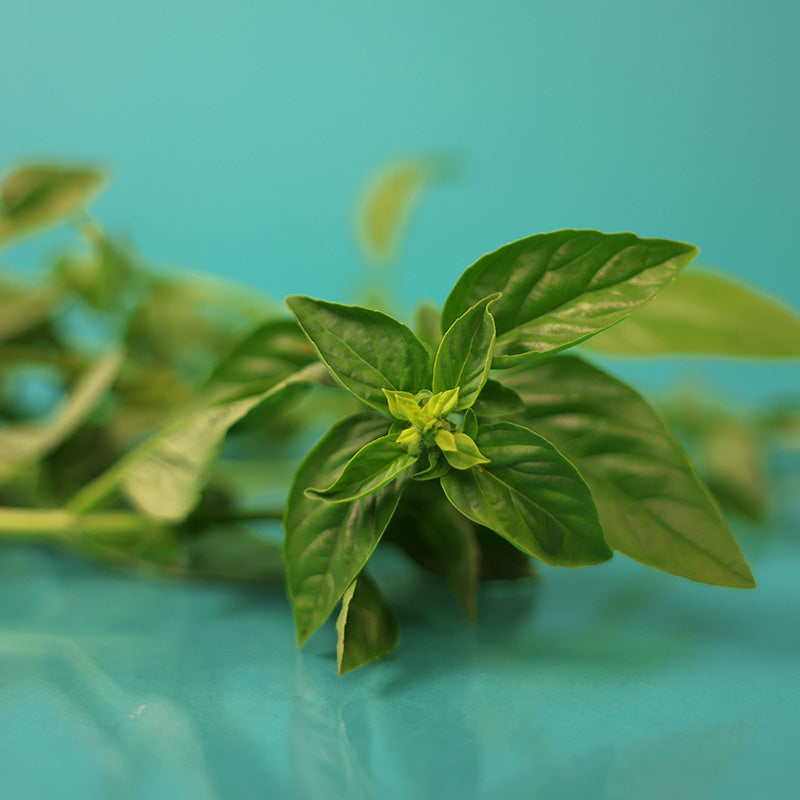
column 35, row 195
column 705, row 313
column 327, row 544
column 652, row 504
column 530, row 494
column 366, row 351
column 366, row 628
column 561, row 288
column 464, row 356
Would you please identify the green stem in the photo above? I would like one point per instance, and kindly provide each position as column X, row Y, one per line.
column 34, row 523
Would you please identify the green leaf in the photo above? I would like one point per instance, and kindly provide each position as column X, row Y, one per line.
column 465, row 353
column 402, row 405
column 23, row 310
column 35, row 195
column 496, row 400
column 327, row 544
column 427, row 322
column 705, row 313
column 24, row 444
column 464, row 453
column 164, row 476
column 440, row 539
column 530, row 494
column 365, row 351
column 563, row 287
column 371, row 468
column 271, row 352
column 366, row 627
column 652, row 505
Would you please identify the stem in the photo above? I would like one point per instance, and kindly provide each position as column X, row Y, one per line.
column 60, row 524
column 241, row 516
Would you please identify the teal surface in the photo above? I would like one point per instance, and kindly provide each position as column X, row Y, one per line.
column 239, row 135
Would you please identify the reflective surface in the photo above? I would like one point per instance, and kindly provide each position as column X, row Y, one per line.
column 613, row 682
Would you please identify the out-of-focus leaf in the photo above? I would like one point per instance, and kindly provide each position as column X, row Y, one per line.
column 427, row 325
column 35, row 195
column 366, row 627
column 22, row 310
column 701, row 312
column 560, row 288
column 164, row 476
column 21, row 445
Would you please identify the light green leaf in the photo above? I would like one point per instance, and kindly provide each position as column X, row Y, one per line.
column 427, row 322
column 464, row 453
column 530, row 494
column 402, row 405
column 652, row 505
column 327, row 544
column 465, row 353
column 35, row 195
column 563, row 287
column 371, row 468
column 268, row 354
column 164, row 476
column 366, row 351
column 22, row 445
column 366, row 627
column 705, row 313
column 22, row 310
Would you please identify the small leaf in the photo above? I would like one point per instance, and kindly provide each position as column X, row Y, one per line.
column 327, row 544
column 371, row 468
column 465, row 453
column 21, row 445
column 365, row 351
column 445, row 441
column 465, row 353
column 531, row 495
column 402, row 405
column 35, row 195
column 497, row 400
column 164, row 476
column 563, row 287
column 705, row 313
column 651, row 503
column 366, row 627
column 24, row 310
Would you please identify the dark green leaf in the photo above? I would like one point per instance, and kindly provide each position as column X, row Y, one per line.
column 376, row 464
column 366, row 627
column 366, row 351
column 35, row 195
column 327, row 544
column 465, row 354
column 561, row 288
column 705, row 313
column 530, row 494
column 496, row 400
column 652, row 504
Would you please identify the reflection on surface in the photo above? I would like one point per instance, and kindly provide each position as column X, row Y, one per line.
column 610, row 683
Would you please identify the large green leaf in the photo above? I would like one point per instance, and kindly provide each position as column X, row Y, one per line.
column 164, row 476
column 465, row 354
column 530, row 494
column 35, row 195
column 366, row 627
column 652, row 505
column 366, row 351
column 327, row 544
column 705, row 313
column 563, row 287
column 23, row 444
column 376, row 464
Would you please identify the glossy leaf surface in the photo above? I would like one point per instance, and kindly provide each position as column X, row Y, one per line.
column 327, row 544
column 563, row 287
column 652, row 504
column 530, row 494
column 366, row 351
column 705, row 313
column 366, row 628
column 464, row 356
column 376, row 464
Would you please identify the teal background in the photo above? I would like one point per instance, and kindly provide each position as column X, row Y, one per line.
column 239, row 135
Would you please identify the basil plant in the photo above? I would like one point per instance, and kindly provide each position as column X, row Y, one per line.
column 480, row 441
